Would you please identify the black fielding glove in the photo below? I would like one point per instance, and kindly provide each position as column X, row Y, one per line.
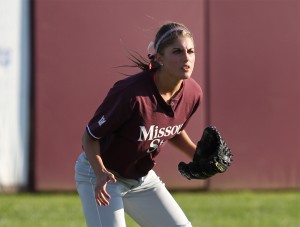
column 212, row 156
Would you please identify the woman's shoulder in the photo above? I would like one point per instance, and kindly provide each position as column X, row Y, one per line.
column 192, row 85
column 132, row 85
column 133, row 80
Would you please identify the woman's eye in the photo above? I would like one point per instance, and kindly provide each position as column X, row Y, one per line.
column 177, row 51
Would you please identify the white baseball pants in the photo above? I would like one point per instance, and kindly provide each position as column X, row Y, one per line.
column 146, row 200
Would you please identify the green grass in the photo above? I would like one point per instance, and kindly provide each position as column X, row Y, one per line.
column 204, row 209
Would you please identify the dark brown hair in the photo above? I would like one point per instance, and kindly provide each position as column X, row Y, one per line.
column 175, row 30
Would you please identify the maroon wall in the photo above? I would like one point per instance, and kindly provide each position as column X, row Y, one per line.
column 77, row 44
column 254, row 76
column 248, row 55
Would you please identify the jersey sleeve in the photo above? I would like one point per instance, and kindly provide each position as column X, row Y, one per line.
column 115, row 109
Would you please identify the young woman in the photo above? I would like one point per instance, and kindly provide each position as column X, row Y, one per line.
column 139, row 114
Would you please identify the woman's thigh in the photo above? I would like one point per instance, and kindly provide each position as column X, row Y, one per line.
column 95, row 215
column 151, row 204
column 102, row 216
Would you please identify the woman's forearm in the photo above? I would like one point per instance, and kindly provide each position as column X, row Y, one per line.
column 183, row 142
column 92, row 151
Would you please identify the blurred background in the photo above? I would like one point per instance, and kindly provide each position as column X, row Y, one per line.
column 58, row 59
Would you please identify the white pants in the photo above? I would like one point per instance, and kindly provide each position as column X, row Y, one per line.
column 146, row 200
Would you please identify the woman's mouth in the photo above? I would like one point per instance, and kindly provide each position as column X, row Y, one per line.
column 185, row 68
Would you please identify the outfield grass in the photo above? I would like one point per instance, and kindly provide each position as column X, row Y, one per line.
column 204, row 209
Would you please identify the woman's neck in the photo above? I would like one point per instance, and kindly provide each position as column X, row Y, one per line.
column 166, row 86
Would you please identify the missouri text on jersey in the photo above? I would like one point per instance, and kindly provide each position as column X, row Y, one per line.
column 154, row 133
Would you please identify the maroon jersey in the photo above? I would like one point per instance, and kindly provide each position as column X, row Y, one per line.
column 134, row 121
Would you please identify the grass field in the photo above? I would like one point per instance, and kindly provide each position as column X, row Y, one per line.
column 204, row 209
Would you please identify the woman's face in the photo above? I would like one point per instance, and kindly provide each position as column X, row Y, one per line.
column 178, row 58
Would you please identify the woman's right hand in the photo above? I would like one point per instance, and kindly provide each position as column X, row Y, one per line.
column 101, row 194
column 92, row 151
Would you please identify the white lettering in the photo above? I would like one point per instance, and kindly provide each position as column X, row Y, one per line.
column 155, row 132
column 102, row 121
column 168, row 131
column 175, row 130
column 154, row 145
column 143, row 132
column 161, row 132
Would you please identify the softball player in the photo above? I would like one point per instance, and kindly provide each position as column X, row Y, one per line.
column 128, row 130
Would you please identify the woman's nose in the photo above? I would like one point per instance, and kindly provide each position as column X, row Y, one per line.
column 186, row 56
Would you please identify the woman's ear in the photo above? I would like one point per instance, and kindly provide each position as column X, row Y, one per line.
column 159, row 58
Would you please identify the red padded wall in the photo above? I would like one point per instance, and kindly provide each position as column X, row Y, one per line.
column 248, row 63
column 77, row 44
column 254, row 49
